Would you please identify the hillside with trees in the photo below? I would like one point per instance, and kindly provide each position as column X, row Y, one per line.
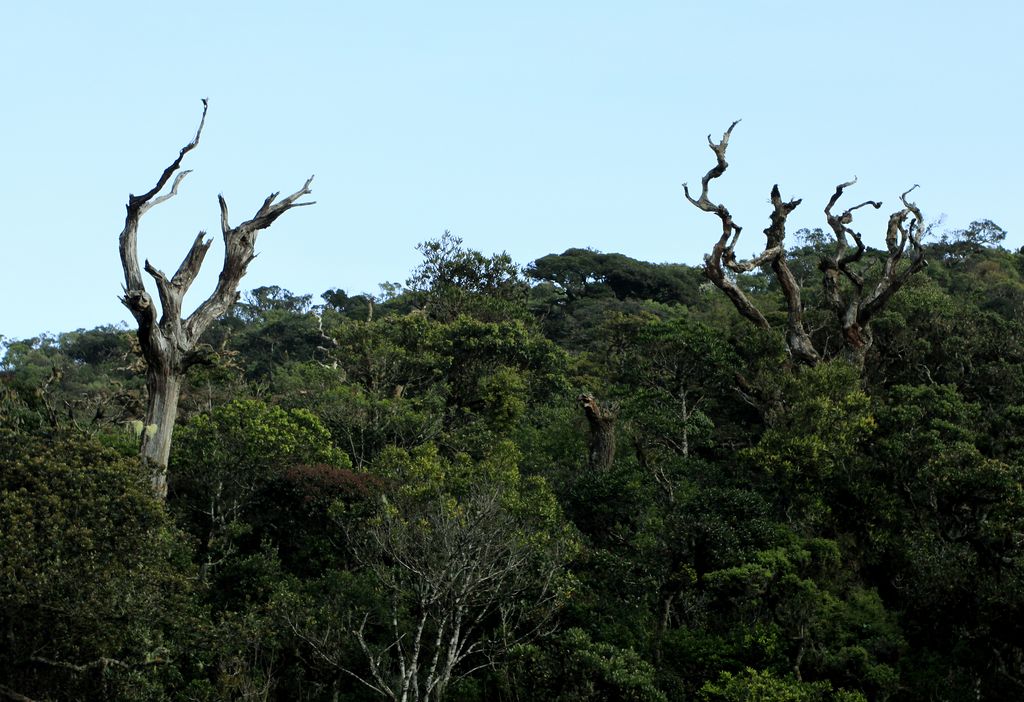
column 585, row 479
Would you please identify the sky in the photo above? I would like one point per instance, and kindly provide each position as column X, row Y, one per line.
column 526, row 127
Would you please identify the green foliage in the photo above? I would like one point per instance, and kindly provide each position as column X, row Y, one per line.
column 811, row 449
column 81, row 379
column 431, row 493
column 460, row 560
column 453, row 281
column 383, row 385
column 388, row 490
column 406, row 380
column 250, row 440
column 580, row 290
column 359, row 307
column 672, row 376
column 579, row 273
column 764, row 686
column 949, row 544
column 574, row 668
column 223, row 465
column 95, row 582
column 270, row 327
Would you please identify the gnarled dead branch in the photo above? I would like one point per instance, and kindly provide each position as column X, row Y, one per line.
column 170, row 344
column 854, row 308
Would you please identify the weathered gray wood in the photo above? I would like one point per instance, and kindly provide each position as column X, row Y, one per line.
column 722, row 255
column 855, row 309
column 171, row 344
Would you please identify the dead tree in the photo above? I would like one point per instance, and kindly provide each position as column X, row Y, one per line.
column 601, row 441
column 853, row 304
column 170, row 344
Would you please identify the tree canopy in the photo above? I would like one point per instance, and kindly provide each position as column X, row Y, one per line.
column 395, row 496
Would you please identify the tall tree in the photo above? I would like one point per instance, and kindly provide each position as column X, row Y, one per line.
column 854, row 308
column 453, row 280
column 170, row 345
column 467, row 563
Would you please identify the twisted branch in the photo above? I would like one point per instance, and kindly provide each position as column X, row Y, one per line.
column 903, row 235
column 723, row 256
column 239, row 251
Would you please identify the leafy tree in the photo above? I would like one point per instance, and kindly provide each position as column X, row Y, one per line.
column 95, row 582
column 268, row 328
column 671, row 375
column 573, row 668
column 466, row 561
column 358, row 307
column 979, row 235
column 810, row 451
column 407, row 380
column 226, row 459
column 579, row 273
column 764, row 686
column 949, row 554
column 453, row 280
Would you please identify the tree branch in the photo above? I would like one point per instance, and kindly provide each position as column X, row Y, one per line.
column 192, row 262
column 142, row 308
column 898, row 234
column 797, row 338
column 166, row 175
column 139, row 204
column 903, row 233
column 102, row 662
column 163, row 288
column 716, row 171
column 146, row 206
column 832, row 267
column 239, row 251
column 722, row 256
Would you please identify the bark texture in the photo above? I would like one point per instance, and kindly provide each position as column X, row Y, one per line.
column 601, row 441
column 170, row 343
column 844, row 285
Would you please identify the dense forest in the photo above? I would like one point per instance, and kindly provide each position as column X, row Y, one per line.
column 587, row 479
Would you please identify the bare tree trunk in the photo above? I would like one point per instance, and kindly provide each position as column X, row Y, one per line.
column 163, row 386
column 170, row 345
column 601, row 444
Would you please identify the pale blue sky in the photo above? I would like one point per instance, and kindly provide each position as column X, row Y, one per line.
column 529, row 127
